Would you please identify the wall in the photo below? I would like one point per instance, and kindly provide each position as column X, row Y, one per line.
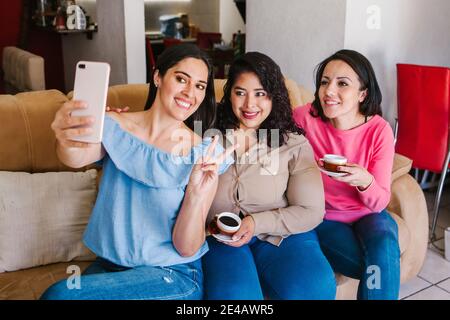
column 202, row 13
column 296, row 34
column 48, row 45
column 134, row 41
column 42, row 43
column 10, row 14
column 230, row 20
column 410, row 31
column 119, row 41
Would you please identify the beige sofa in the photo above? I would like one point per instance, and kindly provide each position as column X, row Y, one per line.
column 22, row 71
column 27, row 145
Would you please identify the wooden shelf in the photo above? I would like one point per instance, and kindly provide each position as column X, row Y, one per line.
column 89, row 32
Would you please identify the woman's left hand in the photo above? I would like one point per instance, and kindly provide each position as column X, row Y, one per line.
column 244, row 234
column 204, row 175
column 357, row 176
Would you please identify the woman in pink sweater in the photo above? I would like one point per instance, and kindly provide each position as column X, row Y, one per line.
column 358, row 236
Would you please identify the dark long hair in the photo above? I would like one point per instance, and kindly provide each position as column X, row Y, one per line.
column 363, row 68
column 206, row 112
column 271, row 78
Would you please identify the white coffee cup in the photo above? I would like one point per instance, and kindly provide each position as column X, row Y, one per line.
column 332, row 161
column 228, row 223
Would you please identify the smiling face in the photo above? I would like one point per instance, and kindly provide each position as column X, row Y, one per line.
column 182, row 88
column 339, row 92
column 250, row 102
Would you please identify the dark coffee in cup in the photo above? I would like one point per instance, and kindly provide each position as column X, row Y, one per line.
column 228, row 221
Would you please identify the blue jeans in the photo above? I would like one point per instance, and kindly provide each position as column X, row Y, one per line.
column 297, row 269
column 367, row 250
column 104, row 280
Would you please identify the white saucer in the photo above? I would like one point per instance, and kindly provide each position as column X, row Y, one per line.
column 223, row 237
column 333, row 174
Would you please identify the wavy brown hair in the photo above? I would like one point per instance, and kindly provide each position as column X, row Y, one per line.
column 272, row 80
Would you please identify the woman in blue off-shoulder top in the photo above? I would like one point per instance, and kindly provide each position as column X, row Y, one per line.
column 159, row 179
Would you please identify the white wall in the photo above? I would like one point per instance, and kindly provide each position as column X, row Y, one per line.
column 135, row 41
column 410, row 31
column 119, row 41
column 230, row 20
column 297, row 34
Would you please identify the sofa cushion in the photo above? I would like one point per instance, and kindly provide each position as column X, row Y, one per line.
column 43, row 217
column 31, row 283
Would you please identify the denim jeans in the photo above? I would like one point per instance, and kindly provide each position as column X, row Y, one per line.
column 367, row 250
column 104, row 280
column 297, row 269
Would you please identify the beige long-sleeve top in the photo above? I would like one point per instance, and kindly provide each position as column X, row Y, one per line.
column 280, row 188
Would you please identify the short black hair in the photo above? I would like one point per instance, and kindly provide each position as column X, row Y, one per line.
column 366, row 75
column 272, row 80
column 206, row 112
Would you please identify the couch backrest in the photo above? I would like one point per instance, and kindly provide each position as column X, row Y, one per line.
column 27, row 143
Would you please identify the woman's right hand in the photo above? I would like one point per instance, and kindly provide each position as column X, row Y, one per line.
column 67, row 127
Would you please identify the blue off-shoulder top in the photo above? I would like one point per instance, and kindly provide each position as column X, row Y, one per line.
column 140, row 196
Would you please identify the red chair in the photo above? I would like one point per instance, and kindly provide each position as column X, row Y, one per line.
column 423, row 97
column 206, row 40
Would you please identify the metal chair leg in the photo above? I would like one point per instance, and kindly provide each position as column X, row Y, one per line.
column 423, row 182
column 437, row 200
column 395, row 131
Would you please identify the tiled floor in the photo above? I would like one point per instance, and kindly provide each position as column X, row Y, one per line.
column 433, row 281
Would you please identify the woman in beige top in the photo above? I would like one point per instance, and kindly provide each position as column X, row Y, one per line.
column 276, row 188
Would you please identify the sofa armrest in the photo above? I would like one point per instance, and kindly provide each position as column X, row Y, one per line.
column 408, row 202
column 402, row 165
column 23, row 70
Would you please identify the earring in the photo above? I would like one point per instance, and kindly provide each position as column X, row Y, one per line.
column 156, row 86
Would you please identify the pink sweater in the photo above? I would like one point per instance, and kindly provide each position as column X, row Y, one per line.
column 370, row 145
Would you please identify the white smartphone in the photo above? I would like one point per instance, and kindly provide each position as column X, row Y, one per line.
column 91, row 86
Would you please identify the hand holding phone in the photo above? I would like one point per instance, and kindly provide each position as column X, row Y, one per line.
column 91, row 87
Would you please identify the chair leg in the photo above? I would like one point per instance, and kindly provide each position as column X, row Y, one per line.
column 437, row 200
column 395, row 131
column 423, row 182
